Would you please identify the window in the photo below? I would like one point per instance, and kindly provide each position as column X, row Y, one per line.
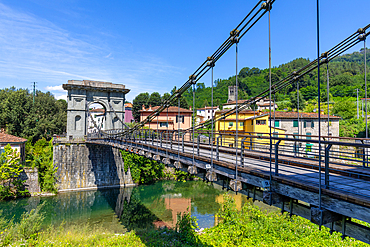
column 277, row 123
column 231, row 124
column 308, row 124
column 165, row 124
column 260, row 122
column 181, row 119
column 241, row 124
column 308, row 135
column 275, row 134
column 295, row 135
column 295, row 123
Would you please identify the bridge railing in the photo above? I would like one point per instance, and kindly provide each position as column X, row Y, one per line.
column 344, row 163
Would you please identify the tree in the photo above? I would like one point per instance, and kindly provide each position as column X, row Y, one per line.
column 21, row 117
column 155, row 99
column 294, row 100
column 137, row 104
column 345, row 109
column 10, row 169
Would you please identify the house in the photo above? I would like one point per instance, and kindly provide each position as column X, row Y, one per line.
column 307, row 124
column 262, row 104
column 168, row 118
column 249, row 121
column 98, row 115
column 15, row 142
column 232, row 104
column 265, row 103
column 207, row 112
column 128, row 113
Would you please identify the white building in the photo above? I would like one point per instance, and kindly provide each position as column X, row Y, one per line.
column 205, row 113
column 98, row 114
column 264, row 104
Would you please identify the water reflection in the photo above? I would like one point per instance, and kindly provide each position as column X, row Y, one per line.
column 124, row 209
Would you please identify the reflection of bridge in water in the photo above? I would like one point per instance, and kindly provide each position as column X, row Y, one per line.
column 327, row 182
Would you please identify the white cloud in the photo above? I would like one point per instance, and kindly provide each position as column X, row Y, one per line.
column 55, row 88
column 35, row 49
column 62, row 96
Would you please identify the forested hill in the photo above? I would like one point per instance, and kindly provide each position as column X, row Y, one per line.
column 346, row 74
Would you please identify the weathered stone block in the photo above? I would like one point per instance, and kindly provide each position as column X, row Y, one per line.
column 89, row 166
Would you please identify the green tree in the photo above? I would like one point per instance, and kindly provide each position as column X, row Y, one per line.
column 345, row 109
column 294, row 100
column 155, row 99
column 137, row 104
column 10, row 169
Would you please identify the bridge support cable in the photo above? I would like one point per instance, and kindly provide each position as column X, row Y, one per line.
column 247, row 23
column 367, row 131
column 327, row 95
column 211, row 64
column 319, row 102
column 348, row 43
column 236, row 41
column 178, row 131
column 167, row 139
column 268, row 7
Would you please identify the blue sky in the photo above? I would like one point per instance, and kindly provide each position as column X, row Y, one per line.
column 155, row 45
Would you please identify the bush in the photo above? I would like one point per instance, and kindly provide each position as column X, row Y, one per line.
column 27, row 228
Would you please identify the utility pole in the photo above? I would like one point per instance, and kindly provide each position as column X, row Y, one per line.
column 358, row 115
column 34, row 92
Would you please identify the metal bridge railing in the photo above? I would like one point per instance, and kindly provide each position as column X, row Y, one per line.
column 345, row 161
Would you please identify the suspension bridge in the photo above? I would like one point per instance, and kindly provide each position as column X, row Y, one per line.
column 329, row 184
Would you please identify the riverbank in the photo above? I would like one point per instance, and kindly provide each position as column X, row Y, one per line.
column 146, row 218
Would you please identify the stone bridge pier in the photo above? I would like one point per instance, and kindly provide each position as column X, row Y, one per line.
column 89, row 166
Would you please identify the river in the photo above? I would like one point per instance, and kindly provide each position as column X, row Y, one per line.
column 123, row 209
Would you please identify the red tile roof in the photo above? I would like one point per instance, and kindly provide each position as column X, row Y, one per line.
column 6, row 138
column 233, row 102
column 208, row 108
column 243, row 111
column 170, row 109
column 294, row 115
column 97, row 110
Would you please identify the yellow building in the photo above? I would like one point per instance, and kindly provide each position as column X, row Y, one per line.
column 255, row 123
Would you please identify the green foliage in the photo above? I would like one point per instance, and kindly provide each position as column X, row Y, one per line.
column 20, row 117
column 143, row 170
column 10, row 169
column 352, row 128
column 28, row 227
column 294, row 100
column 41, row 156
column 345, row 109
column 252, row 227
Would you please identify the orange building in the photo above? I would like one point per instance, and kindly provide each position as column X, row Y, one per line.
column 167, row 119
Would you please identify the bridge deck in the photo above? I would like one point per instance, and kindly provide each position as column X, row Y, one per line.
column 347, row 182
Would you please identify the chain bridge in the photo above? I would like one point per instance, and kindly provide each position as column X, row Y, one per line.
column 323, row 177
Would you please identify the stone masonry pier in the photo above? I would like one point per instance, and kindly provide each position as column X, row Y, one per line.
column 89, row 166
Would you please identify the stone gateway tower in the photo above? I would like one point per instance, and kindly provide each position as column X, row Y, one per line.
column 81, row 94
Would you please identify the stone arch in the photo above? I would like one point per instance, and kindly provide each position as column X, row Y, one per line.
column 81, row 94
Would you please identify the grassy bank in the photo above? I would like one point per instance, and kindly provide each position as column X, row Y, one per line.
column 248, row 227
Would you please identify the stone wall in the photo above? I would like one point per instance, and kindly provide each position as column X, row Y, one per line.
column 30, row 176
column 84, row 166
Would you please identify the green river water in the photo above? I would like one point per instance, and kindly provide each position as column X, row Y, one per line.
column 123, row 209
